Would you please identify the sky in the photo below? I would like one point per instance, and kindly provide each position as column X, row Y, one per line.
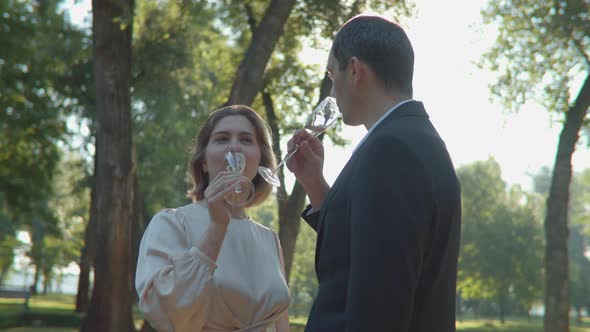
column 447, row 42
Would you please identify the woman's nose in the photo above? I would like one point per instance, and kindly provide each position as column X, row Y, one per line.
column 234, row 145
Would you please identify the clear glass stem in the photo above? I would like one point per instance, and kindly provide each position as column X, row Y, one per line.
column 315, row 134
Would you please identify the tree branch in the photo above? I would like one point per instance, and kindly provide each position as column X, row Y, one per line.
column 580, row 48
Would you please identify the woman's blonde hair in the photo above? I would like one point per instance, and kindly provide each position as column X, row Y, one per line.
column 200, row 179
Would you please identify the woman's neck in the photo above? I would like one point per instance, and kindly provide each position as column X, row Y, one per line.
column 237, row 212
column 234, row 211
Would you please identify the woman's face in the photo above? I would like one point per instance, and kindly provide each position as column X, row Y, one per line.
column 236, row 133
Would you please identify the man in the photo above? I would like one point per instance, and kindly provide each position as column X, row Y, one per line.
column 388, row 229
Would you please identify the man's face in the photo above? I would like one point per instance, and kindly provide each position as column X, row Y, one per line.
column 342, row 89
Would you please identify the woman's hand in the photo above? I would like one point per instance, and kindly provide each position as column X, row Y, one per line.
column 223, row 184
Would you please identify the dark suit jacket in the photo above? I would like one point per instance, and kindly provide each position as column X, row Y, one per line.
column 388, row 233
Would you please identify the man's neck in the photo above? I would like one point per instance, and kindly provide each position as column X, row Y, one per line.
column 377, row 105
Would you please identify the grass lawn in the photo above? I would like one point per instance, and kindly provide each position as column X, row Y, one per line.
column 472, row 325
column 44, row 303
column 66, row 304
column 40, row 329
column 512, row 325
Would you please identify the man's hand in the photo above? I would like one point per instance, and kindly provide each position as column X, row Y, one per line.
column 307, row 164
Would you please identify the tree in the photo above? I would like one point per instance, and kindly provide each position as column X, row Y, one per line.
column 43, row 225
column 39, row 47
column 249, row 76
column 540, row 53
column 8, row 243
column 579, row 243
column 303, row 283
column 181, row 72
column 110, row 308
column 44, row 80
column 579, row 236
column 579, row 271
column 501, row 240
column 70, row 204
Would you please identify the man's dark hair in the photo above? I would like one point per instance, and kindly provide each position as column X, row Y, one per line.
column 380, row 43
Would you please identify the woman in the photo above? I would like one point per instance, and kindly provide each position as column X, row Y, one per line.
column 206, row 266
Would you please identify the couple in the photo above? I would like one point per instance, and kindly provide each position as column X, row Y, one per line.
column 388, row 229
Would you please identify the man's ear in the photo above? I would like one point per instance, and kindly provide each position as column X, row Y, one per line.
column 357, row 69
column 204, row 167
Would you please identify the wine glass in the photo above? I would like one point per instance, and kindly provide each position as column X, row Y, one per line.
column 321, row 118
column 244, row 191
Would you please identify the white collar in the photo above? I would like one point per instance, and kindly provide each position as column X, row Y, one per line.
column 379, row 121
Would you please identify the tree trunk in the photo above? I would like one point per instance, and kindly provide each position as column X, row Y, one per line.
column 146, row 327
column 37, row 235
column 136, row 233
column 289, row 206
column 502, row 305
column 249, row 76
column 556, row 229
column 139, row 225
column 4, row 271
column 46, row 283
column 110, row 306
column 290, row 223
column 88, row 250
column 82, row 296
column 36, row 277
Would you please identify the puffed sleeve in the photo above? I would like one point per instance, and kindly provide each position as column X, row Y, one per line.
column 174, row 279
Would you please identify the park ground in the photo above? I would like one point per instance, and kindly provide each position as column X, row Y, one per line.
column 55, row 313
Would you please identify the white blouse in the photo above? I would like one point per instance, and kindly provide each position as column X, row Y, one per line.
column 181, row 289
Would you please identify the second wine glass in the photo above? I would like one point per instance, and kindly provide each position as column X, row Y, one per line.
column 321, row 118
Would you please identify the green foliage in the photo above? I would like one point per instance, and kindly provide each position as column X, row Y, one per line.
column 303, row 281
column 579, row 240
column 266, row 213
column 579, row 232
column 579, row 198
column 57, row 237
column 579, row 268
column 511, row 325
column 44, row 70
column 39, row 49
column 541, row 48
column 8, row 243
column 182, row 72
column 502, row 244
